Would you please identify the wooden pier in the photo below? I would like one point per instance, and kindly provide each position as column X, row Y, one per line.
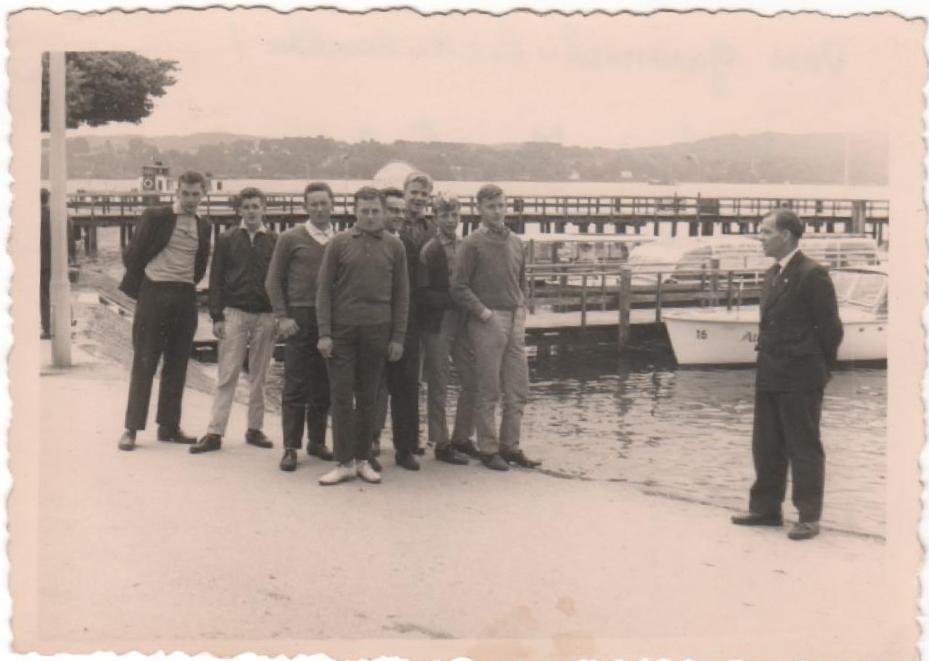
column 691, row 216
column 605, row 308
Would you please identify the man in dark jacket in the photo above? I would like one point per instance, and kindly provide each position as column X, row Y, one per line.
column 166, row 258
column 403, row 375
column 242, row 319
column 798, row 340
column 444, row 335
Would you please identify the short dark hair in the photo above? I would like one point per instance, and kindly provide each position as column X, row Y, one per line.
column 192, row 177
column 249, row 192
column 489, row 192
column 391, row 191
column 316, row 186
column 44, row 196
column 786, row 219
column 369, row 193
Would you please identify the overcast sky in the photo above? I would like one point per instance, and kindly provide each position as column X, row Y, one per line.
column 611, row 82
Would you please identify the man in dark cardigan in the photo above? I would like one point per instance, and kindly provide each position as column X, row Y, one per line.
column 403, row 375
column 164, row 261
column 798, row 341
column 444, row 335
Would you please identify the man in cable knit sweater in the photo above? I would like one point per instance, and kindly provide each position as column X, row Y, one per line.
column 490, row 284
column 291, row 285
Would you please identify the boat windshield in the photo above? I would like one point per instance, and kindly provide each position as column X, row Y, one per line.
column 863, row 288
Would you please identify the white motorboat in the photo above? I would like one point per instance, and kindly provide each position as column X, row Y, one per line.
column 721, row 336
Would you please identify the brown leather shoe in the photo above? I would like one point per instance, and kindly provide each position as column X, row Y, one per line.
column 468, row 448
column 289, row 460
column 319, row 450
column 257, row 438
column 207, row 443
column 804, row 530
column 756, row 519
column 127, row 441
column 174, row 435
column 407, row 461
column 450, row 455
column 519, row 458
column 494, row 462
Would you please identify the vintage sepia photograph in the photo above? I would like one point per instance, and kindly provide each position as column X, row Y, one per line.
column 460, row 335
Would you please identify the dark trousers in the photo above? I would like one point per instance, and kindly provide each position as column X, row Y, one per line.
column 403, row 387
column 355, row 371
column 45, row 278
column 164, row 326
column 786, row 433
column 305, row 399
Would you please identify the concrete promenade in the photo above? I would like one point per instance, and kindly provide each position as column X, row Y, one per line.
column 158, row 549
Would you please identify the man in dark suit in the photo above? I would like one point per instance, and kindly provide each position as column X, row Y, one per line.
column 166, row 258
column 798, row 340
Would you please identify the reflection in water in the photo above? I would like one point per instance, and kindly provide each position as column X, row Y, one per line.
column 687, row 432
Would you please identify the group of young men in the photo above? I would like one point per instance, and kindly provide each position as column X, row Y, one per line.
column 364, row 312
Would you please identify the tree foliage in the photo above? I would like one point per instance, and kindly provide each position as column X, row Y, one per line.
column 109, row 86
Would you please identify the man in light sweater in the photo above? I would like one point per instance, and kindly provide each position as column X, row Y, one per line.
column 490, row 283
column 291, row 285
column 362, row 303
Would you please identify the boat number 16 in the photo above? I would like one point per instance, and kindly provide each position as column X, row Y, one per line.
column 701, row 334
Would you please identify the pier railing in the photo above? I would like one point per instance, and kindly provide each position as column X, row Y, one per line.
column 579, row 297
column 621, row 214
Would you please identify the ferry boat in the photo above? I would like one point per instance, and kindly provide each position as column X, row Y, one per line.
column 721, row 336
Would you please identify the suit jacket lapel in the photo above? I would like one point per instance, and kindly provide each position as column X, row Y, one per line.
column 778, row 285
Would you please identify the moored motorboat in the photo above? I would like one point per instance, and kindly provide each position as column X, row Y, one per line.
column 721, row 336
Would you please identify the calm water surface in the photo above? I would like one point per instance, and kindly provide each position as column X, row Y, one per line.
column 686, row 433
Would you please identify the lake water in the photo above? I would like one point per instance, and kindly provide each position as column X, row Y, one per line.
column 684, row 189
column 638, row 419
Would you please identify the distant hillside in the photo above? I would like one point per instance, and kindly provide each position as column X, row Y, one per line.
column 818, row 158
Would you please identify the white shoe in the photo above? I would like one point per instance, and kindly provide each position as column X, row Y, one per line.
column 340, row 473
column 367, row 473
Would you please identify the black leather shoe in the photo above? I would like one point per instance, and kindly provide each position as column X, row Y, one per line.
column 208, row 443
column 520, row 459
column 451, row 456
column 319, row 450
column 407, row 461
column 494, row 462
column 804, row 530
column 127, row 440
column 375, row 464
column 175, row 435
column 756, row 519
column 289, row 460
column 467, row 448
column 257, row 438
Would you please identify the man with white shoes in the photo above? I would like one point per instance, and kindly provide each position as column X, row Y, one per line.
column 362, row 303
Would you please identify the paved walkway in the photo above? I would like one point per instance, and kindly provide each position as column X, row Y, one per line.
column 160, row 549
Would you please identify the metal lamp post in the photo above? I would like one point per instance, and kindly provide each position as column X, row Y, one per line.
column 59, row 287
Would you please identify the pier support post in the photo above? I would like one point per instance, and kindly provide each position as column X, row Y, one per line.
column 858, row 217
column 625, row 304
